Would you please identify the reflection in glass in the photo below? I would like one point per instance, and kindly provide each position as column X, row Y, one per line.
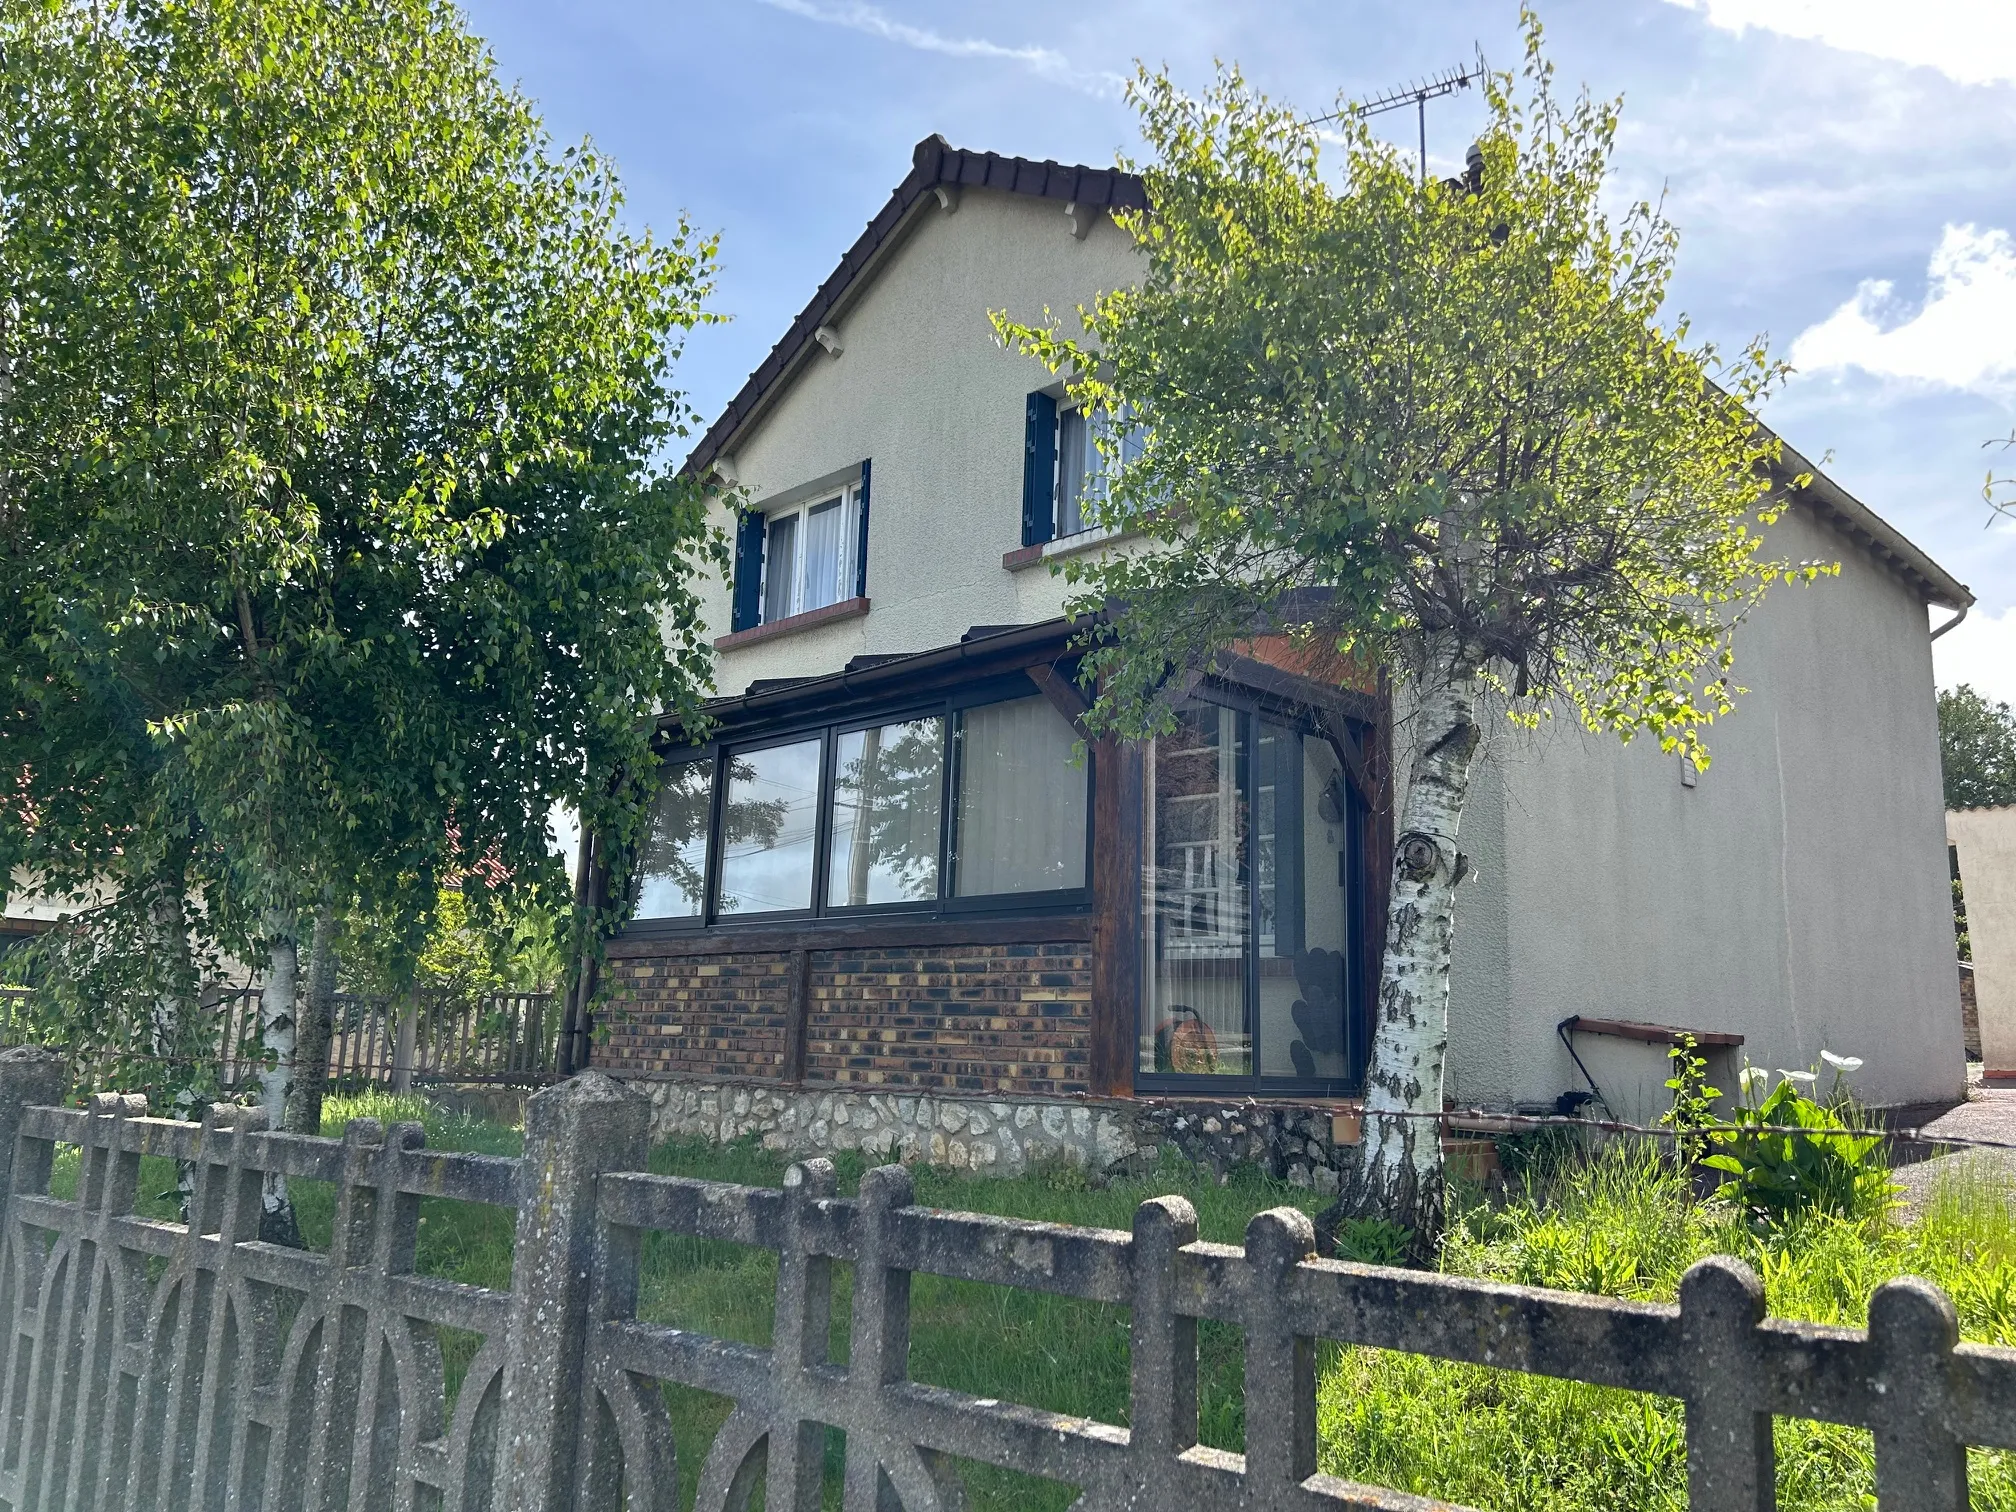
column 672, row 867
column 1195, row 902
column 887, row 790
column 771, row 816
column 1021, row 804
column 1302, row 841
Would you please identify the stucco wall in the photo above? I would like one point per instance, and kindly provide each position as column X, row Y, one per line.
column 924, row 390
column 1797, row 895
column 1986, row 842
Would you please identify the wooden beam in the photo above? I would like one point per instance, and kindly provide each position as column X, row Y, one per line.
column 1065, row 696
column 850, row 934
column 797, row 1017
column 1651, row 1034
column 1116, row 914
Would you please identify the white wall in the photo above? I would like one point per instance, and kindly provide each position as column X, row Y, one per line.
column 924, row 390
column 1986, row 842
column 1797, row 895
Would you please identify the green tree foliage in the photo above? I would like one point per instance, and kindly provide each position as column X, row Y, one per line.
column 1977, row 749
column 336, row 407
column 1445, row 428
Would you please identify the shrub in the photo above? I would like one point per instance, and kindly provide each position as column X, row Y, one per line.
column 1777, row 1176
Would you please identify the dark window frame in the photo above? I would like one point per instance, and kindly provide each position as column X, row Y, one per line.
column 1299, row 718
column 945, row 705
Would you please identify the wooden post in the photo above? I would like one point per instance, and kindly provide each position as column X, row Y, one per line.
column 404, row 1047
column 1116, row 914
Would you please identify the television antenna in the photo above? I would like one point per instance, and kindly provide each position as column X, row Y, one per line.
column 1417, row 94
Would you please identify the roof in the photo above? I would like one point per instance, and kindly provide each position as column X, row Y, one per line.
column 1875, row 535
column 934, row 164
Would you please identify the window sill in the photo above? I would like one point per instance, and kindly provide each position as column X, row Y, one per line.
column 792, row 624
column 1024, row 557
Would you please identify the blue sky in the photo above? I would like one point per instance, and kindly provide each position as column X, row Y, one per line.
column 1843, row 173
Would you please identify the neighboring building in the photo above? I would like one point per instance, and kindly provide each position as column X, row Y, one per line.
column 1984, row 847
column 887, row 874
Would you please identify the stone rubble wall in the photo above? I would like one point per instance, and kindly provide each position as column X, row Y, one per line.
column 1003, row 1137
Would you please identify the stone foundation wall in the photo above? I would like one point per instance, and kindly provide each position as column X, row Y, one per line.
column 1007, row 1135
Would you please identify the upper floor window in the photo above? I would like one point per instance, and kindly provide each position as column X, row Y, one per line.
column 802, row 555
column 1069, row 456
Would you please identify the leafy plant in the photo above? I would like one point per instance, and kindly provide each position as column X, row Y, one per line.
column 1373, row 1241
column 1813, row 1167
column 1693, row 1100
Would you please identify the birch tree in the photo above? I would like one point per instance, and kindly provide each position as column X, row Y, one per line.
column 339, row 398
column 1445, row 428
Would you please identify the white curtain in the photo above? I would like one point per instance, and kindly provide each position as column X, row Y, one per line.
column 1021, row 801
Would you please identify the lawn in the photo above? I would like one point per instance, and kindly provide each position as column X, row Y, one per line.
column 1622, row 1223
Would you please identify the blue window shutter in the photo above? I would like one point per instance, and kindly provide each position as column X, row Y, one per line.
column 748, row 572
column 861, row 538
column 1039, row 470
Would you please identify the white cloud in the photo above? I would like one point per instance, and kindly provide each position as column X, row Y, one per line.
column 1973, row 41
column 1963, row 336
column 1981, row 651
column 1044, row 62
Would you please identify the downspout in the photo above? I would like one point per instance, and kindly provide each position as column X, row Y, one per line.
column 1952, row 622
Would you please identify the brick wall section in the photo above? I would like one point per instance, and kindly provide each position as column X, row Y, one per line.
column 1002, row 1019
column 701, row 1015
column 977, row 1018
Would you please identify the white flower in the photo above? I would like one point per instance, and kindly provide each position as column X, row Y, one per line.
column 1842, row 1062
column 1752, row 1077
column 1797, row 1076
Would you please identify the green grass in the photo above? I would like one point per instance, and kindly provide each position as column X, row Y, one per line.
column 1621, row 1223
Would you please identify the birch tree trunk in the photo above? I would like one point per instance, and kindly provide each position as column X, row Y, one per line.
column 277, row 1039
column 1397, row 1175
column 169, row 1037
column 316, row 1027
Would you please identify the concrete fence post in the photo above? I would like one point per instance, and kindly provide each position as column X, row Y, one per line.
column 574, row 1132
column 1280, row 1358
column 1163, row 1350
column 1730, row 1461
column 30, row 1076
column 1920, row 1465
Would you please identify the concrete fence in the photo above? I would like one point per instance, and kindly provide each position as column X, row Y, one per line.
column 159, row 1365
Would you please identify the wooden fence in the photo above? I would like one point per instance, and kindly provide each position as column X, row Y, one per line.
column 506, row 1037
column 155, row 1365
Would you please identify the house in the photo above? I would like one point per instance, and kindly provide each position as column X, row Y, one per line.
column 1984, row 859
column 887, row 905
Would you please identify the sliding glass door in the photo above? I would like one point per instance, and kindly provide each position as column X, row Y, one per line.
column 1250, row 843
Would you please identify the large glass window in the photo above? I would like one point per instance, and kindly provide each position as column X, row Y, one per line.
column 771, row 818
column 959, row 803
column 887, row 787
column 1248, row 829
column 672, row 868
column 1021, row 804
column 1196, row 904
